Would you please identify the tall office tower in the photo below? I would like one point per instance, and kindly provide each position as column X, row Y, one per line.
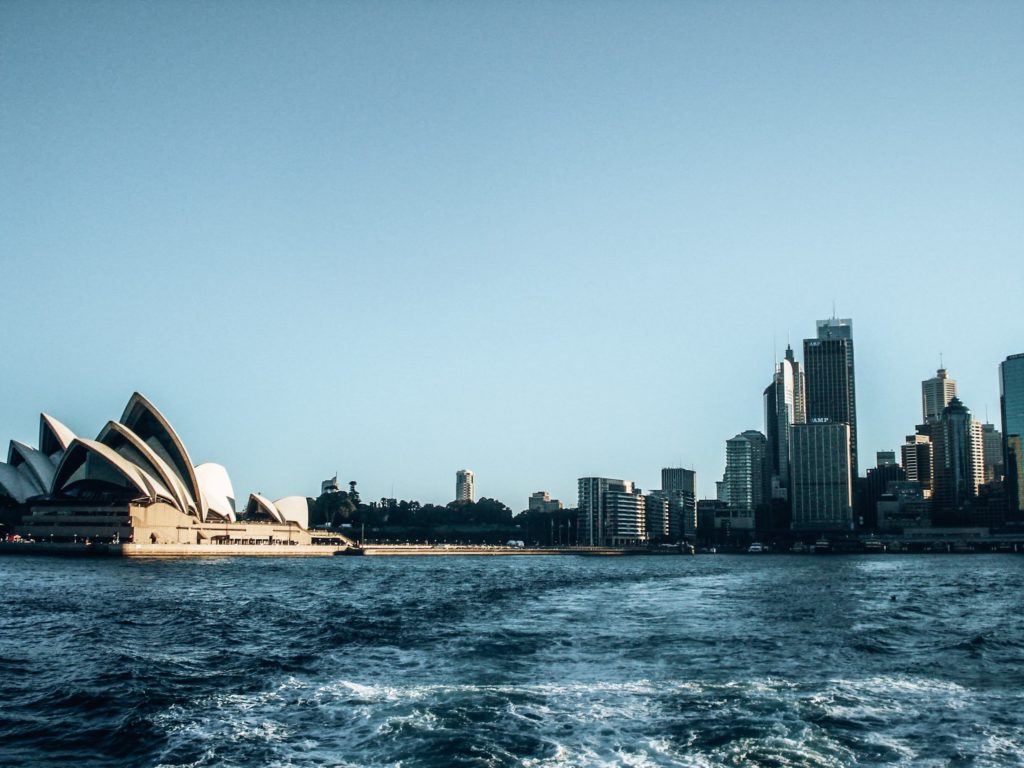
column 831, row 393
column 992, row 447
column 1011, row 408
column 611, row 512
column 936, row 393
column 918, row 460
column 746, row 479
column 465, row 487
column 959, row 466
column 822, row 477
column 781, row 400
column 680, row 488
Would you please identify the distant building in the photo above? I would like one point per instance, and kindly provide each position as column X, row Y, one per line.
column 465, row 487
column 992, row 449
column 822, row 477
column 541, row 501
column 746, row 481
column 829, row 368
column 959, row 466
column 878, row 479
column 680, row 488
column 1011, row 408
column 783, row 407
column 611, row 513
column 330, row 486
column 902, row 505
column 656, row 516
column 936, row 393
column 713, row 520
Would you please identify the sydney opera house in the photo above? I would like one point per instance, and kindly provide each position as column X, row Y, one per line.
column 136, row 485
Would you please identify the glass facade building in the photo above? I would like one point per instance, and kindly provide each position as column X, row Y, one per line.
column 1011, row 407
column 829, row 370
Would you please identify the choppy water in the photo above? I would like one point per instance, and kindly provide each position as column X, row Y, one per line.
column 548, row 661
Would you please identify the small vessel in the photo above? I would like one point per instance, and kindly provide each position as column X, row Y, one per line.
column 873, row 544
column 757, row 548
column 798, row 548
column 822, row 546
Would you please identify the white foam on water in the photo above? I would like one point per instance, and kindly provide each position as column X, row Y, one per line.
column 585, row 724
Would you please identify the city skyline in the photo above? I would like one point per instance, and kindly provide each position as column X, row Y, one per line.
column 325, row 241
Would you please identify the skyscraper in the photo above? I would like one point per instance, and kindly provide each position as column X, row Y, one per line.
column 831, row 392
column 822, row 478
column 783, row 407
column 465, row 488
column 746, row 481
column 959, row 466
column 936, row 393
column 1011, row 408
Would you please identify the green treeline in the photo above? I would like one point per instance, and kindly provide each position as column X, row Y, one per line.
column 486, row 521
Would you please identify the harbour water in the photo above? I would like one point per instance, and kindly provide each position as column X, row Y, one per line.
column 532, row 661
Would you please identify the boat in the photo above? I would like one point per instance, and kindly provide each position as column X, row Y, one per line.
column 873, row 544
column 822, row 546
column 798, row 548
column 757, row 548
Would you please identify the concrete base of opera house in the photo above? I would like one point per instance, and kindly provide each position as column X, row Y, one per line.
column 66, row 549
column 147, row 528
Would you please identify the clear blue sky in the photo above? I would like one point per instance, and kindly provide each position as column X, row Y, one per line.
column 538, row 240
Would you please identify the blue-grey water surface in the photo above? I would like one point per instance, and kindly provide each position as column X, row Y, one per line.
column 495, row 661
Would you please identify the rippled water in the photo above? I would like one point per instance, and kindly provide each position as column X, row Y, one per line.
column 532, row 661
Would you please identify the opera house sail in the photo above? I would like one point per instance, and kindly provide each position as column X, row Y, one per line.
column 135, row 486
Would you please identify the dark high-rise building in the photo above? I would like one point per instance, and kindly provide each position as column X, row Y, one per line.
column 822, row 481
column 879, row 477
column 679, row 479
column 959, row 466
column 679, row 486
column 1011, row 408
column 829, row 371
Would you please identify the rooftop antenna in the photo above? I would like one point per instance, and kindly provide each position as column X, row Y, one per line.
column 941, row 364
column 833, row 309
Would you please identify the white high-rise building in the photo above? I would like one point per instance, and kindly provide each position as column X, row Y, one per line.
column 465, row 488
column 936, row 393
column 783, row 407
